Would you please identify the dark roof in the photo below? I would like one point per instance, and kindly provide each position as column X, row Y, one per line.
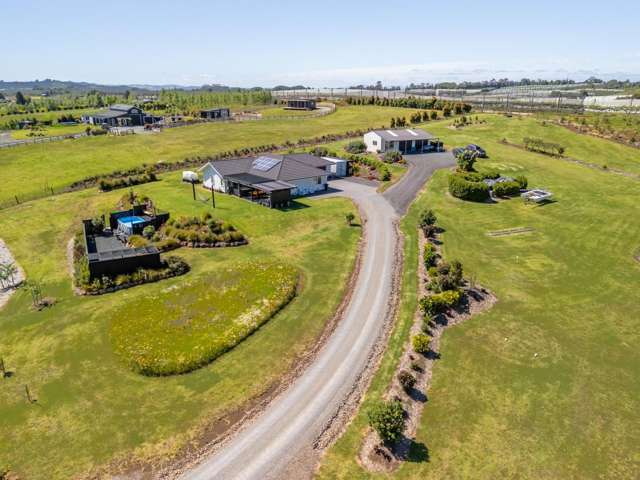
column 285, row 168
column 121, row 107
column 115, row 111
column 214, row 109
column 309, row 159
column 403, row 134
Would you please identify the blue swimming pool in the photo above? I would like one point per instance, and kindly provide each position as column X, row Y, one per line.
column 130, row 220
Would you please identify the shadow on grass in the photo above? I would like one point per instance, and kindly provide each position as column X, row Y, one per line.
column 544, row 203
column 293, row 206
column 418, row 453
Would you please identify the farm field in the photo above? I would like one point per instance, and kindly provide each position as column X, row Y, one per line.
column 545, row 384
column 92, row 409
column 69, row 160
column 48, row 131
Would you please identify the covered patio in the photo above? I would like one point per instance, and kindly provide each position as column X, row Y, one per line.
column 270, row 193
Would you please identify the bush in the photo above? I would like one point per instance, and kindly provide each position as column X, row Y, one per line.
column 506, row 189
column 350, row 217
column 466, row 159
column 447, row 276
column 522, row 181
column 415, row 366
column 357, row 146
column 392, row 157
column 320, row 152
column 137, row 241
column 387, row 419
column 406, row 380
column 427, row 217
column 439, row 302
column 148, row 231
column 420, row 343
column 430, row 255
column 461, row 188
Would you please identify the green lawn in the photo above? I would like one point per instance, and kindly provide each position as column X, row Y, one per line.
column 48, row 131
column 91, row 408
column 547, row 383
column 30, row 170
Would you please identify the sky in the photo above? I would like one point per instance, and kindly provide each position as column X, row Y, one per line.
column 316, row 43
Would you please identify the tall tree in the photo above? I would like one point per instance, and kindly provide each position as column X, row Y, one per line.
column 20, row 100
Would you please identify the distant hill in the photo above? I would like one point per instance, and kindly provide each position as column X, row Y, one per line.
column 53, row 87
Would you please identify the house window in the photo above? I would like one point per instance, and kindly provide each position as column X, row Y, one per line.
column 318, row 180
column 375, row 142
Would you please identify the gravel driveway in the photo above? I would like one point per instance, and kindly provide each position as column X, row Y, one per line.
column 278, row 438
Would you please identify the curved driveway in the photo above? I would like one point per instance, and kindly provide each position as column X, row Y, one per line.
column 293, row 421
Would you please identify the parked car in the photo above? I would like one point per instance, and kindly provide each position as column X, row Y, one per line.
column 476, row 148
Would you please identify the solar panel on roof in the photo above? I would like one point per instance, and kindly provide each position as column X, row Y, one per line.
column 265, row 163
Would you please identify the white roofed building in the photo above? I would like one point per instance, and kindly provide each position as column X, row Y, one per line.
column 403, row 140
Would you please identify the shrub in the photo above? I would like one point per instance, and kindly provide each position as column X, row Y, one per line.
column 427, row 217
column 406, row 380
column 430, row 256
column 506, row 189
column 385, row 174
column 392, row 156
column 415, row 366
column 439, row 302
column 522, row 181
column 420, row 343
column 350, row 217
column 148, row 231
column 466, row 160
column 387, row 419
column 137, row 241
column 461, row 188
column 447, row 276
column 320, row 152
column 357, row 146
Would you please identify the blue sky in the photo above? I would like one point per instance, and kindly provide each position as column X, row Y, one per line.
column 328, row 43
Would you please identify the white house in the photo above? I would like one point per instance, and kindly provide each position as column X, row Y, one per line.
column 405, row 141
column 299, row 174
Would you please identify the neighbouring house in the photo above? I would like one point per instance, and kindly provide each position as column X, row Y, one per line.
column 271, row 180
column 300, row 104
column 406, row 140
column 107, row 250
column 118, row 116
column 215, row 113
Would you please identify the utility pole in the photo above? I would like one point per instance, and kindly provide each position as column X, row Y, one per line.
column 193, row 187
column 213, row 198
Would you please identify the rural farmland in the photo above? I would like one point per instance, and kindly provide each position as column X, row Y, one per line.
column 245, row 241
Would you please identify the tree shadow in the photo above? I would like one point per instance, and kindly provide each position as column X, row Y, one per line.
column 418, row 453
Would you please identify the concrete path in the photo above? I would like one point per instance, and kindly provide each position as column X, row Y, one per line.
column 293, row 421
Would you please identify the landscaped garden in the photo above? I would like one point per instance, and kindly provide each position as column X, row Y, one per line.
column 87, row 409
column 544, row 384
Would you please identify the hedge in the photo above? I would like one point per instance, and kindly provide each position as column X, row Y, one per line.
column 506, row 189
column 464, row 189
